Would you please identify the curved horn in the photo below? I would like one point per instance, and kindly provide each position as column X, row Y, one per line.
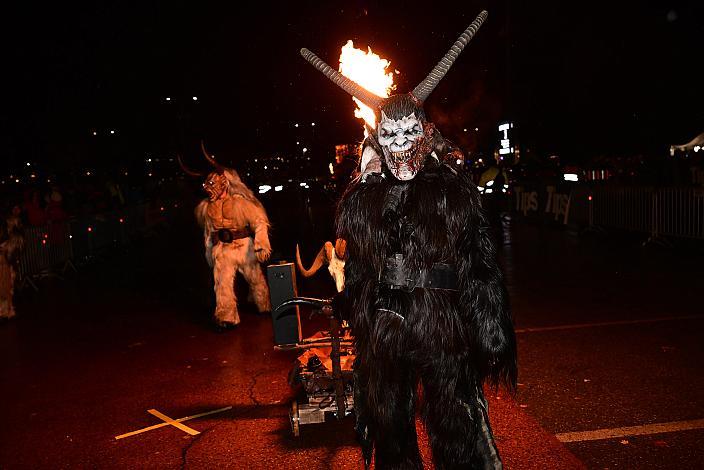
column 185, row 169
column 317, row 263
column 426, row 87
column 340, row 248
column 354, row 89
column 218, row 167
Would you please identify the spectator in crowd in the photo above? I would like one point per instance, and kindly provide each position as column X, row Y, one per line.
column 55, row 212
column 33, row 208
column 56, row 217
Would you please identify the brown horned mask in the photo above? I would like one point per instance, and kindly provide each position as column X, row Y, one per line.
column 216, row 181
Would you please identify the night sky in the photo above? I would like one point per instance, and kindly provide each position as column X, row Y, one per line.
column 616, row 78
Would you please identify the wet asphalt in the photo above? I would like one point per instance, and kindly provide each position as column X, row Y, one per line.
column 609, row 336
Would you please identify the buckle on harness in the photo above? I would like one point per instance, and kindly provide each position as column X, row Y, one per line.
column 225, row 235
column 396, row 276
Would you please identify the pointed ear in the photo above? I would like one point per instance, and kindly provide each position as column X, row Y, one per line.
column 340, row 248
column 369, row 155
column 384, row 116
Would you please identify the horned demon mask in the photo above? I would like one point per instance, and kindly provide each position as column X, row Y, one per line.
column 217, row 181
column 402, row 132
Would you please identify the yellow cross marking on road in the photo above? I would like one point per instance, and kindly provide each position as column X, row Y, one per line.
column 172, row 422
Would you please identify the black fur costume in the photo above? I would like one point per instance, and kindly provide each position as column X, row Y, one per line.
column 449, row 337
column 448, row 340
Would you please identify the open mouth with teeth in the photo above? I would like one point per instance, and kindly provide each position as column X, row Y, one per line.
column 404, row 155
column 405, row 164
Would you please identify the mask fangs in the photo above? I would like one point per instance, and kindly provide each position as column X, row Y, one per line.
column 399, row 140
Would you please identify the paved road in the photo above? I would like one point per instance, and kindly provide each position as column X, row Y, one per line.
column 90, row 355
column 630, row 353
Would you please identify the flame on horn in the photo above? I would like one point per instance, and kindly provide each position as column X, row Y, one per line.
column 370, row 71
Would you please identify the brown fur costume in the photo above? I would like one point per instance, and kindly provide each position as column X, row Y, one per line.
column 233, row 206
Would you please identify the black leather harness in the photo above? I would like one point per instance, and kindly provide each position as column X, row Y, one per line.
column 439, row 276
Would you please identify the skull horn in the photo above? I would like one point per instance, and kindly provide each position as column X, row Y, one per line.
column 426, row 87
column 319, row 261
column 218, row 167
column 359, row 92
column 340, row 248
column 185, row 169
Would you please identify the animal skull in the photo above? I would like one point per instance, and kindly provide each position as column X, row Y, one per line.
column 334, row 257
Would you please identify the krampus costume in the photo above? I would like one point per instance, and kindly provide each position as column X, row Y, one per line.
column 236, row 236
column 424, row 294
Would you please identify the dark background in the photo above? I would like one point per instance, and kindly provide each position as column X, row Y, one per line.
column 580, row 80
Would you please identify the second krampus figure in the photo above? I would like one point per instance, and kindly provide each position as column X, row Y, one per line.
column 236, row 237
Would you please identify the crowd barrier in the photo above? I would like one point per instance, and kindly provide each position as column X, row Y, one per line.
column 49, row 250
column 678, row 213
column 659, row 213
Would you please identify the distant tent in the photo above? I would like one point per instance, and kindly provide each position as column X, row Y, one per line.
column 695, row 144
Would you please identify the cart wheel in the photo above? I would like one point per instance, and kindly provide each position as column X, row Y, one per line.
column 294, row 419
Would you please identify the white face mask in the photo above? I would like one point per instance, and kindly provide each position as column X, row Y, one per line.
column 399, row 140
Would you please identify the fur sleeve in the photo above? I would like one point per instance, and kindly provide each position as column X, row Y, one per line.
column 483, row 295
column 254, row 215
column 201, row 213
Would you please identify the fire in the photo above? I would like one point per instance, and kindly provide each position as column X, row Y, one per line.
column 370, row 71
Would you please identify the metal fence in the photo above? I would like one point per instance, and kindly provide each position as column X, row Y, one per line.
column 660, row 212
column 50, row 250
column 47, row 251
column 678, row 213
column 621, row 208
column 674, row 212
